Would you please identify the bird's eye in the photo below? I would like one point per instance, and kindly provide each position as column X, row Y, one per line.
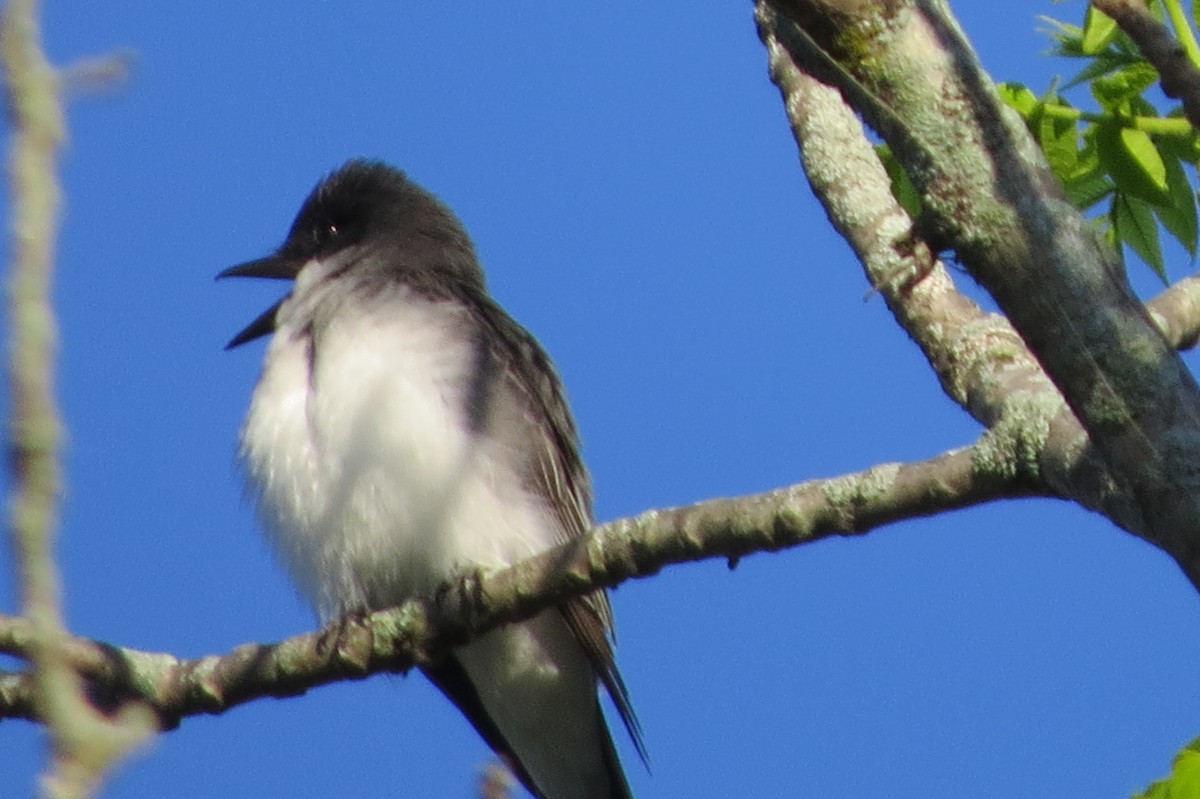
column 333, row 231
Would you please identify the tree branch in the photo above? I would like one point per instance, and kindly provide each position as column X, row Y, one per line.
column 988, row 194
column 418, row 632
column 1177, row 313
column 961, row 342
column 981, row 362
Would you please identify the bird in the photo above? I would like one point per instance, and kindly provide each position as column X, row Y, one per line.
column 405, row 429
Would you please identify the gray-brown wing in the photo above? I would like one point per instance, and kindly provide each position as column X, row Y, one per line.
column 553, row 470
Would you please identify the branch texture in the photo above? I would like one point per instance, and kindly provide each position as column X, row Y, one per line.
column 981, row 362
column 420, row 632
column 988, row 195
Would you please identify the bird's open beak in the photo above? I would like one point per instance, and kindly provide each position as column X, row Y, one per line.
column 273, row 267
column 263, row 325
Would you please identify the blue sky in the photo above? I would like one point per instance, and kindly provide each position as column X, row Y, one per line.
column 635, row 196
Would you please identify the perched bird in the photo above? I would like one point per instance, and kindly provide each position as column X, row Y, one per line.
column 405, row 429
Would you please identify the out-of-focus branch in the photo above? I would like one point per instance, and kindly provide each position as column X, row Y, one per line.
column 495, row 781
column 419, row 632
column 1179, row 77
column 97, row 74
column 84, row 743
column 1177, row 313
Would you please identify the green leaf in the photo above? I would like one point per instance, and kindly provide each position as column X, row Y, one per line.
column 1185, row 777
column 1133, row 224
column 1131, row 159
column 1058, row 137
column 1098, row 30
column 1141, row 107
column 1067, row 38
column 1019, row 97
column 1088, row 183
column 1108, row 228
column 1088, row 188
column 902, row 188
column 1068, row 43
column 1178, row 216
column 1185, row 147
column 1112, row 91
column 1184, row 780
column 1102, row 64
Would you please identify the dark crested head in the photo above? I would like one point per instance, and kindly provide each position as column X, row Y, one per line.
column 368, row 203
column 369, row 214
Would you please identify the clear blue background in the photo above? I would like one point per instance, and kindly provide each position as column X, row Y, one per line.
column 628, row 177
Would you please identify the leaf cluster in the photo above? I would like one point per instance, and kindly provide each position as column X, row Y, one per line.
column 1132, row 162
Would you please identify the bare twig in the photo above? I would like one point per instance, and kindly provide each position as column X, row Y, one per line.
column 98, row 74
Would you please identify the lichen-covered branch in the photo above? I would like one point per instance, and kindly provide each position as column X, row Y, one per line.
column 981, row 362
column 988, row 195
column 397, row 639
column 964, row 345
